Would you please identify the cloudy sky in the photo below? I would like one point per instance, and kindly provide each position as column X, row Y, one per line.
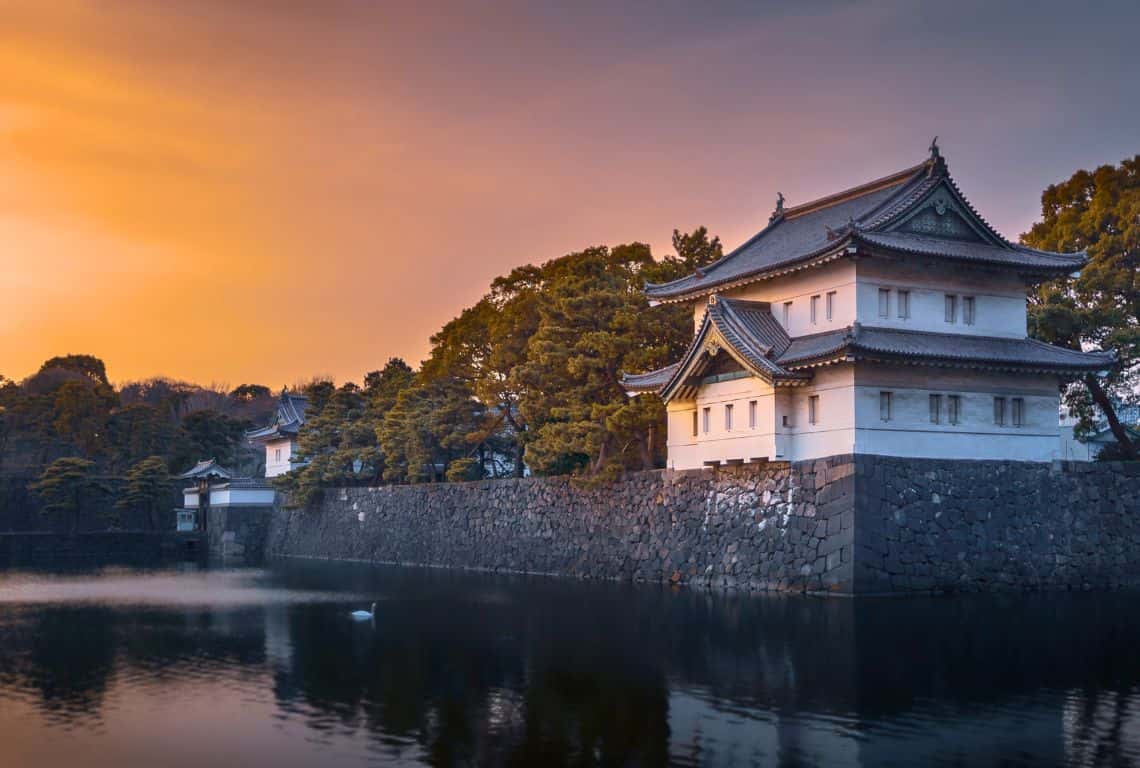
column 263, row 190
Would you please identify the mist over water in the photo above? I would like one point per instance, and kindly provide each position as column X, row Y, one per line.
column 199, row 667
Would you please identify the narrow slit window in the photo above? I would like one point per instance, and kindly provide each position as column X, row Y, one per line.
column 968, row 310
column 953, row 408
column 728, row 418
column 830, row 308
column 787, row 314
column 277, row 455
column 951, row 308
column 904, row 304
column 694, row 423
column 999, row 411
column 884, row 302
column 885, row 404
column 813, row 409
column 752, row 414
column 935, row 409
column 706, row 419
column 814, row 309
column 1017, row 411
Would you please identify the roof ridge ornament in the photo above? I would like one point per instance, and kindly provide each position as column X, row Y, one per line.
column 779, row 212
column 936, row 163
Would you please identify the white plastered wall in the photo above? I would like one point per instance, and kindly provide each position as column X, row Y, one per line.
column 910, row 431
column 798, row 288
column 999, row 297
column 743, row 441
column 277, row 455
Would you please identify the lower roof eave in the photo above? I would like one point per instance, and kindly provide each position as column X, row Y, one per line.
column 946, row 362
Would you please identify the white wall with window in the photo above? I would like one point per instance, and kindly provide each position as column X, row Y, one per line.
column 732, row 420
column 277, row 457
column 905, row 296
column 812, row 301
column 957, row 414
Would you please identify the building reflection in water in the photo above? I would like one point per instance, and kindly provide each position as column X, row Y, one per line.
column 464, row 669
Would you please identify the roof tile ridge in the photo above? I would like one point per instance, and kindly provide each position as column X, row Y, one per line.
column 896, row 204
column 866, row 188
column 1039, row 342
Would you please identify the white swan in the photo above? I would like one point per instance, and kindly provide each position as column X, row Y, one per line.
column 364, row 615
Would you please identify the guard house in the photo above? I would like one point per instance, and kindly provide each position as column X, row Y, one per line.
column 887, row 319
column 280, row 437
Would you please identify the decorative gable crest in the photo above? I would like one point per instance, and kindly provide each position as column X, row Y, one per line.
column 942, row 214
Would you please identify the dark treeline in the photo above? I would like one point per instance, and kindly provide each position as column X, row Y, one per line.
column 74, row 440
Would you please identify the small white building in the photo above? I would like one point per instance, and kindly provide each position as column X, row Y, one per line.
column 885, row 319
column 280, row 437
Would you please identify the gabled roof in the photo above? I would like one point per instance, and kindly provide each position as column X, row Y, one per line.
column 287, row 421
column 207, row 469
column 652, row 381
column 918, row 210
column 746, row 330
column 952, row 349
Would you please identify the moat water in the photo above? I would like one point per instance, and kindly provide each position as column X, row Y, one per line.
column 193, row 667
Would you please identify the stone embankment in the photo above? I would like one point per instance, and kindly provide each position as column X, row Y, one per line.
column 846, row 524
column 775, row 527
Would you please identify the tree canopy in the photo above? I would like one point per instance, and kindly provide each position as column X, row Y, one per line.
column 1098, row 212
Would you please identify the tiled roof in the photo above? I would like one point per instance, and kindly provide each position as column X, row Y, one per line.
column 746, row 328
column 288, row 420
column 648, row 382
column 208, row 468
column 1013, row 255
column 945, row 348
column 867, row 213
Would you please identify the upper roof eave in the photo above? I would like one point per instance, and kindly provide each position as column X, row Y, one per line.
column 875, row 207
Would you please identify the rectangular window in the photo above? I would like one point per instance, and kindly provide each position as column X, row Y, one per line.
column 277, row 455
column 813, row 409
column 935, row 409
column 814, row 309
column 728, row 418
column 752, row 415
column 830, row 305
column 999, row 411
column 968, row 310
column 884, row 302
column 904, row 304
column 885, row 399
column 784, row 420
column 951, row 308
column 787, row 314
column 1017, row 411
column 953, row 408
column 694, row 423
column 706, row 418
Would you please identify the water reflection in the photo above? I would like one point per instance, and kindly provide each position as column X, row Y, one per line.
column 206, row 667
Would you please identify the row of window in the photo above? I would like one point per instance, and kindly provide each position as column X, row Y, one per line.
column 957, row 308
column 1006, row 409
column 813, row 307
column 706, row 418
column 951, row 303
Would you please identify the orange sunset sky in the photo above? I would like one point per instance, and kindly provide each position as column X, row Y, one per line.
column 259, row 191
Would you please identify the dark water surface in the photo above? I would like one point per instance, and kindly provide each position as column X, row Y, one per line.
column 189, row 667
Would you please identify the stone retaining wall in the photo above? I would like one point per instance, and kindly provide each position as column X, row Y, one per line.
column 851, row 525
column 775, row 527
column 994, row 525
